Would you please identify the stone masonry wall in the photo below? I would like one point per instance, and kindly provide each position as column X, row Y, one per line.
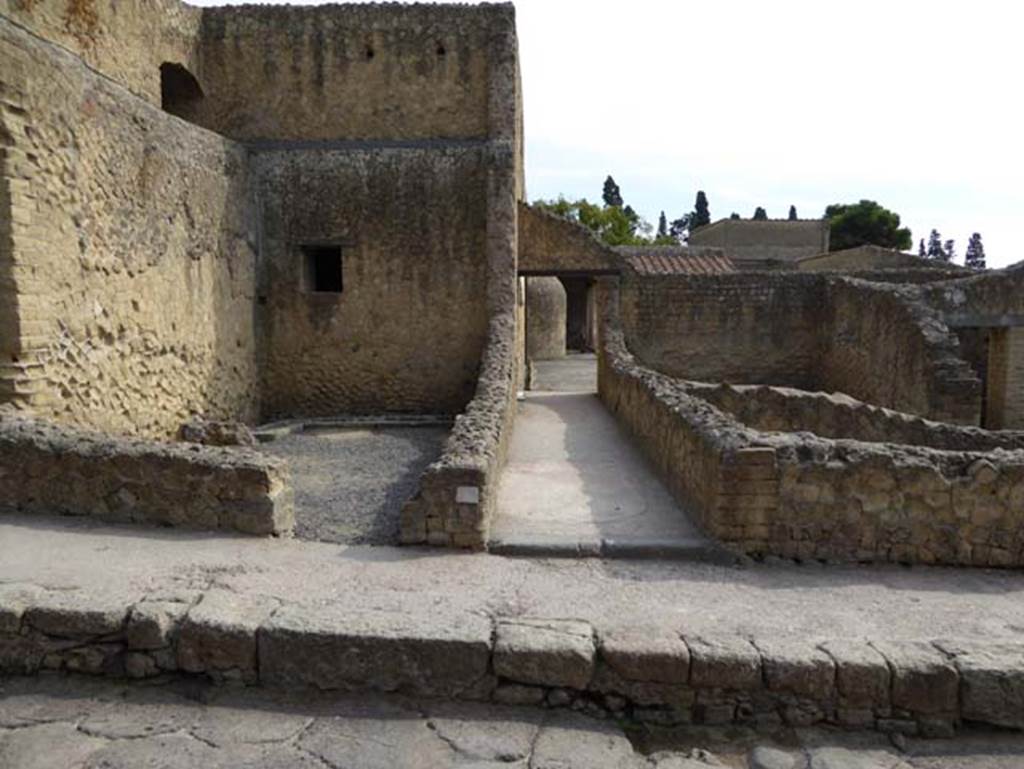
column 742, row 328
column 134, row 252
column 126, row 40
column 457, row 496
column 47, row 469
column 367, row 71
column 807, row 331
column 804, row 496
column 833, row 415
column 882, row 344
column 407, row 330
column 773, row 239
column 551, row 244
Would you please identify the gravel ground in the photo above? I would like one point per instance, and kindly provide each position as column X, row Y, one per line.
column 350, row 483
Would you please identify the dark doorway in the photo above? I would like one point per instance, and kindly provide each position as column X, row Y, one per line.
column 180, row 92
column 579, row 336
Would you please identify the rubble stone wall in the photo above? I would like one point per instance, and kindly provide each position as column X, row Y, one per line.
column 47, row 469
column 804, row 496
column 834, row 415
column 131, row 251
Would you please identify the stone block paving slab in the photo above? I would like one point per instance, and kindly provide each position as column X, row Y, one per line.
column 85, row 723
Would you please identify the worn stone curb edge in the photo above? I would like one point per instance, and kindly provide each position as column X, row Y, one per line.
column 651, row 674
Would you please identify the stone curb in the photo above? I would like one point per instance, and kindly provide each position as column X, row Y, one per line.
column 654, row 674
column 693, row 550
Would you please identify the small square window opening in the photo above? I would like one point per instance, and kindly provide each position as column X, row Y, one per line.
column 323, row 269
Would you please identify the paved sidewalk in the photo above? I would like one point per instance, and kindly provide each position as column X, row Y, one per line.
column 574, row 481
column 56, row 722
column 82, row 560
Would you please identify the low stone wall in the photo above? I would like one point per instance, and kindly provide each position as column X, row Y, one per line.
column 45, row 468
column 458, row 492
column 834, row 415
column 655, row 675
column 803, row 496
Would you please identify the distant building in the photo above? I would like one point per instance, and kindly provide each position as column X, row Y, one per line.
column 751, row 243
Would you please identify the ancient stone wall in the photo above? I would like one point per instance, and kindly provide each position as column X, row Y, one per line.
column 458, row 493
column 833, row 415
column 126, row 40
column 134, row 252
column 882, row 344
column 550, row 244
column 48, row 469
column 770, row 240
column 407, row 328
column 747, row 328
column 803, row 496
column 367, row 71
column 808, row 331
column 869, row 257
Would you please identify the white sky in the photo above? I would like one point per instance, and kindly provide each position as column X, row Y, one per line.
column 913, row 103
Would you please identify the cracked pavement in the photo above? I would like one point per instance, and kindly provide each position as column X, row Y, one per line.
column 58, row 722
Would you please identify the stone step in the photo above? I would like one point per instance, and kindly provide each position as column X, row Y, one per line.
column 926, row 687
column 544, row 546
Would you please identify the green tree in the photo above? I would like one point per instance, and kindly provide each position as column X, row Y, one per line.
column 701, row 211
column 679, row 229
column 974, row 257
column 760, row 215
column 612, row 195
column 921, row 250
column 935, row 245
column 662, row 226
column 792, row 214
column 613, row 225
column 734, row 215
column 865, row 223
column 949, row 251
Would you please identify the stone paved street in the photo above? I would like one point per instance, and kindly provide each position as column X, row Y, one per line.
column 55, row 722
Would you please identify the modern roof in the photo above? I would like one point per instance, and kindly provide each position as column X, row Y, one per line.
column 676, row 260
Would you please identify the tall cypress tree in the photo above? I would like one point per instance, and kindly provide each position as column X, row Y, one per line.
column 701, row 211
column 948, row 251
column 662, row 226
column 935, row 245
column 612, row 195
column 921, row 250
column 792, row 214
column 975, row 254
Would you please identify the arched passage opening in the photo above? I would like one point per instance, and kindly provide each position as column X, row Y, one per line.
column 180, row 92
